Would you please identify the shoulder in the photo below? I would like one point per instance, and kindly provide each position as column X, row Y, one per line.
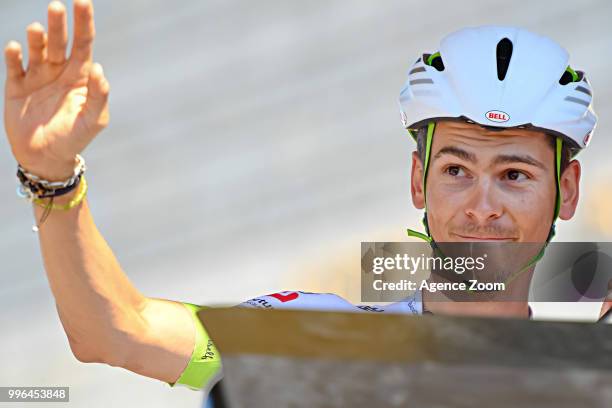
column 327, row 302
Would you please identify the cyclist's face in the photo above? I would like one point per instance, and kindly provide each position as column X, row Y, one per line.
column 488, row 185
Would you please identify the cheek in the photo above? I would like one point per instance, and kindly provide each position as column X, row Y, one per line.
column 443, row 206
column 531, row 211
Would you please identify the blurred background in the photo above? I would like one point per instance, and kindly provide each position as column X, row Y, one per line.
column 252, row 147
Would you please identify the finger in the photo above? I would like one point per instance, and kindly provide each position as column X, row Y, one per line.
column 58, row 33
column 96, row 105
column 84, row 31
column 37, row 44
column 14, row 60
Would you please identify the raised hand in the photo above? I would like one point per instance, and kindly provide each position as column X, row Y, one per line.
column 56, row 107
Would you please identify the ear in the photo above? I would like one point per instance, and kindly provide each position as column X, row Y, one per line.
column 570, row 183
column 416, row 183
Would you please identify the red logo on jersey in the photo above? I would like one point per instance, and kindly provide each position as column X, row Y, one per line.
column 285, row 298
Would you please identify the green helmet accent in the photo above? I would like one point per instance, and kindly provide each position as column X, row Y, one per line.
column 432, row 57
column 574, row 74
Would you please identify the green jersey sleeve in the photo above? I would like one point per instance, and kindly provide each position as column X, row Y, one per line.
column 204, row 368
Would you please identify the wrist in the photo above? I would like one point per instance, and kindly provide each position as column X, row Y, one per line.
column 46, row 194
column 55, row 172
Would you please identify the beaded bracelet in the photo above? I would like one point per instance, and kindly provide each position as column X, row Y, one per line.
column 35, row 189
column 50, row 206
column 76, row 200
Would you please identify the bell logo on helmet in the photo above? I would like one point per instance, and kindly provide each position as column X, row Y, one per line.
column 586, row 139
column 497, row 116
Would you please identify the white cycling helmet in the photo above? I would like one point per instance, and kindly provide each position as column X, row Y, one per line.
column 502, row 77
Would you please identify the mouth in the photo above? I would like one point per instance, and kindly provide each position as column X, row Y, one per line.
column 483, row 238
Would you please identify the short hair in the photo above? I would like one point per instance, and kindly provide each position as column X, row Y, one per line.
column 566, row 152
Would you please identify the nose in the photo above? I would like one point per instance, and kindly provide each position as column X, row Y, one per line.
column 484, row 205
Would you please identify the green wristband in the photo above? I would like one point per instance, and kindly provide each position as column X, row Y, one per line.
column 204, row 368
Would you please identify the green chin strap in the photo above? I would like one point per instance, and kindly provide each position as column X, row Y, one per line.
column 427, row 236
column 428, row 141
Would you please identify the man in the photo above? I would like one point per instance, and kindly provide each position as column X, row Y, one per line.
column 488, row 177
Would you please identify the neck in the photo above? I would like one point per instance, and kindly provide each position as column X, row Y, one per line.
column 519, row 309
column 511, row 304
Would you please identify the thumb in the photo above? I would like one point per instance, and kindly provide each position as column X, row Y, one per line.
column 96, row 105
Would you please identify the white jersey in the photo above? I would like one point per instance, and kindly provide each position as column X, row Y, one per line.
column 330, row 302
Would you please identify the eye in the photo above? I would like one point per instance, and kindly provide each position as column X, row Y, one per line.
column 516, row 175
column 455, row 171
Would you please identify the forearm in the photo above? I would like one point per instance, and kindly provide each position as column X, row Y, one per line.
column 105, row 317
column 96, row 302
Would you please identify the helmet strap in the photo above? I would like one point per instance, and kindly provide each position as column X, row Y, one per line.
column 558, row 150
column 429, row 139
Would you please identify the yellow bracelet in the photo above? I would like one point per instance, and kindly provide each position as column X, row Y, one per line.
column 76, row 200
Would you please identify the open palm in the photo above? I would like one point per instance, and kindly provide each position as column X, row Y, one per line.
column 55, row 108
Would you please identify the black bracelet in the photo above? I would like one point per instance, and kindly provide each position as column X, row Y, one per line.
column 40, row 191
column 62, row 191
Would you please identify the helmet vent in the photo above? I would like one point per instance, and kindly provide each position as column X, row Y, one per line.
column 504, row 52
column 421, row 81
column 434, row 60
column 583, row 90
column 415, row 70
column 437, row 63
column 570, row 76
column 577, row 100
column 566, row 78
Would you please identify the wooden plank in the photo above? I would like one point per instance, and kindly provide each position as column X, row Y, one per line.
column 406, row 338
column 330, row 359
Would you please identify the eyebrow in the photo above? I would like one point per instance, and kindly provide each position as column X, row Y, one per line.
column 499, row 159
column 514, row 158
column 456, row 151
